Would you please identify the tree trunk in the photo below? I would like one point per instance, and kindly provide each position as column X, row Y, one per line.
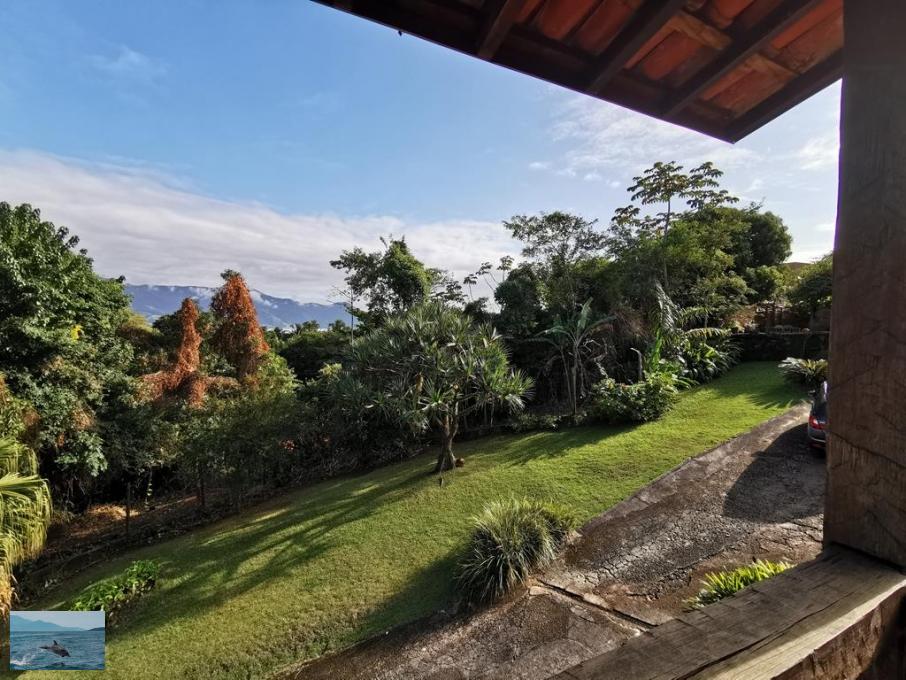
column 200, row 490
column 445, row 459
column 128, row 505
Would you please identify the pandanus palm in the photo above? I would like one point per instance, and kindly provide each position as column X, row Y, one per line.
column 432, row 367
column 24, row 512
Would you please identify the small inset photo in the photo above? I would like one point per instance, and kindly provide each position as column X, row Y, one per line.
column 56, row 641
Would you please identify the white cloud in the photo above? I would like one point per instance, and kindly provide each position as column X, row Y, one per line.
column 137, row 223
column 128, row 64
column 819, row 153
column 593, row 176
column 614, row 184
column 825, row 227
column 598, row 136
column 539, row 165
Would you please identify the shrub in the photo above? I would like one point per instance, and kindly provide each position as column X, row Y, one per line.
column 615, row 403
column 721, row 584
column 111, row 594
column 509, row 540
column 707, row 354
column 808, row 372
column 527, row 422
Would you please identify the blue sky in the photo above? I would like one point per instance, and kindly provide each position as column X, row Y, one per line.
column 181, row 138
column 68, row 619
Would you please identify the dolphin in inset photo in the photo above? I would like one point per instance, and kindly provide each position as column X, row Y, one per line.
column 56, row 648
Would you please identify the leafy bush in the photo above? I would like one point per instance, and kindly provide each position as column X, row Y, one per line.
column 615, row 403
column 707, row 353
column 111, row 594
column 527, row 422
column 721, row 584
column 808, row 372
column 510, row 539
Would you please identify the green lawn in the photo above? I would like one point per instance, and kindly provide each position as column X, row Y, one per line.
column 325, row 566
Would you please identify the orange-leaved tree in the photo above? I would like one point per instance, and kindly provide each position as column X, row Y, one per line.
column 238, row 335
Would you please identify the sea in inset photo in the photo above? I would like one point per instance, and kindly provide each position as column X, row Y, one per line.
column 49, row 640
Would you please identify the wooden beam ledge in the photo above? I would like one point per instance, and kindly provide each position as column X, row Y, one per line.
column 841, row 616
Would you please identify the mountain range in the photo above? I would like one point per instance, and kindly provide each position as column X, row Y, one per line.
column 153, row 301
column 21, row 625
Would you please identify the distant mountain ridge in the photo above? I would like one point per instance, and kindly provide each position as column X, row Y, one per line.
column 153, row 301
column 22, row 625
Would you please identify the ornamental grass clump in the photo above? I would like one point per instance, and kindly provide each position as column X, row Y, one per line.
column 510, row 539
column 808, row 372
column 721, row 584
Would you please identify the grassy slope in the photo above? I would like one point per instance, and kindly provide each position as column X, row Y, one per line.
column 325, row 566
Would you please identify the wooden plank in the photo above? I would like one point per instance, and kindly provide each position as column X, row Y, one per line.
column 793, row 93
column 770, row 629
column 866, row 458
column 739, row 51
column 501, row 17
column 645, row 23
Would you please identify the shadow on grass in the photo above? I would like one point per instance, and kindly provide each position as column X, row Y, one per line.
column 220, row 564
column 381, row 629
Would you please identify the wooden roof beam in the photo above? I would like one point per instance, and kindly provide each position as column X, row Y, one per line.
column 744, row 47
column 650, row 18
column 796, row 91
column 501, row 17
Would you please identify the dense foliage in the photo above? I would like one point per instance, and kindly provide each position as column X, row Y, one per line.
column 60, row 350
column 600, row 322
column 721, row 584
column 510, row 539
column 812, row 288
column 649, row 399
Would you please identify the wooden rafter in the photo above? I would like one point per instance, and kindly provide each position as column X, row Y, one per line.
column 739, row 51
column 648, row 20
column 793, row 93
column 501, row 17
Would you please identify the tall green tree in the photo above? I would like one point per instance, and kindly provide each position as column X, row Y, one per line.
column 555, row 243
column 812, row 289
column 59, row 346
column 388, row 281
column 431, row 368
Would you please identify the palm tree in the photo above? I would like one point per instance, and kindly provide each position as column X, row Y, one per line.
column 573, row 338
column 24, row 513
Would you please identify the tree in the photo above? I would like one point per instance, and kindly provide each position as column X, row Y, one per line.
column 812, row 290
column 519, row 297
column 430, row 368
column 663, row 183
column 238, row 334
column 183, row 378
column 556, row 242
column 389, row 282
column 573, row 338
column 59, row 344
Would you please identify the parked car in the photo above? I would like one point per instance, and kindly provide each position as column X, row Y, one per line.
column 817, row 418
